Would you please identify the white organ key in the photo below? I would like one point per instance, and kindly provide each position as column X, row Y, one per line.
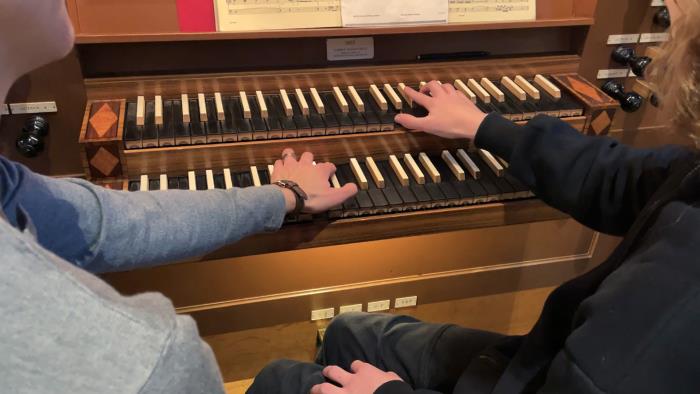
column 163, row 182
column 220, row 114
column 464, row 89
column 356, row 99
column 414, row 169
column 479, row 91
column 453, row 165
column 469, row 164
column 335, row 182
column 374, row 172
column 527, row 87
column 340, row 99
column 393, row 97
column 421, row 84
column 503, row 162
column 359, row 175
column 245, row 104
column 202, row 107
column 402, row 90
column 228, row 181
column 270, row 169
column 378, row 97
column 261, row 103
column 185, row 108
column 140, row 111
column 144, row 183
column 302, row 101
column 493, row 90
column 491, row 161
column 192, row 180
column 159, row 110
column 318, row 103
column 548, row 86
column 288, row 109
column 255, row 176
column 514, row 88
column 430, row 167
column 210, row 180
column 398, row 170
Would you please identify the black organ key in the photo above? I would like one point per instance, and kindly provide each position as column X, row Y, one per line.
column 374, row 123
column 264, row 175
column 201, row 182
column 259, row 125
column 181, row 130
column 213, row 126
column 362, row 197
column 229, row 129
column 281, row 126
column 514, row 108
column 392, row 196
column 304, row 127
column 198, row 133
column 219, row 182
column 386, row 118
column 331, row 124
column 245, row 129
column 154, row 184
column 166, row 131
column 350, row 206
column 405, row 192
column 132, row 133
column 183, row 183
column 569, row 106
column 446, row 186
column 345, row 125
column 358, row 119
column 375, row 194
column 173, row 183
column 491, row 190
column 150, row 131
column 134, row 186
column 526, row 107
column 243, row 179
column 505, row 190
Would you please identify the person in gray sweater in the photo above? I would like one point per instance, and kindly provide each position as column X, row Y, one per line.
column 63, row 329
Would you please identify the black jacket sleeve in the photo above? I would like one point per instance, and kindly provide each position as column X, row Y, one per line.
column 399, row 387
column 597, row 180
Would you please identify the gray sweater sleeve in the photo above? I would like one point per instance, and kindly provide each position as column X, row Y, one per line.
column 102, row 230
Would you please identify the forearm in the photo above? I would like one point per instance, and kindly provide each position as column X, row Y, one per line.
column 597, row 180
column 102, row 230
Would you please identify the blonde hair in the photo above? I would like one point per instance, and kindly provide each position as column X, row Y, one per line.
column 676, row 73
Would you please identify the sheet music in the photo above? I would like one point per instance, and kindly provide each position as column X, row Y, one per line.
column 237, row 15
column 393, row 12
column 465, row 11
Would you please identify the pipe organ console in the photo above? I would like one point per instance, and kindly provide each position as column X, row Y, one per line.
column 145, row 107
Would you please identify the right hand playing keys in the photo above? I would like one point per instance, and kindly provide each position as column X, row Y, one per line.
column 313, row 180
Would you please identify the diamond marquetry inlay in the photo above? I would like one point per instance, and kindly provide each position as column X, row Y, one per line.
column 103, row 120
column 601, row 123
column 585, row 89
column 104, row 161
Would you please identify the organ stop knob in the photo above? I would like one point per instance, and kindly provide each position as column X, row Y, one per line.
column 630, row 102
column 628, row 56
column 31, row 140
column 663, row 18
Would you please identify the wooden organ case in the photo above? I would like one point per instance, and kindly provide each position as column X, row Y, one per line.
column 485, row 259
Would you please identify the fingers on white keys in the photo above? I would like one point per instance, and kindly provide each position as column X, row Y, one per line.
column 307, row 158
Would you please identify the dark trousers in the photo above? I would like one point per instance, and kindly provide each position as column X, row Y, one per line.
column 426, row 356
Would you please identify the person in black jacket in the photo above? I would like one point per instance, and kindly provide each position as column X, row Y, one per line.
column 630, row 325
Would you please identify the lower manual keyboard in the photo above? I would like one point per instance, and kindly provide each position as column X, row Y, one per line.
column 401, row 183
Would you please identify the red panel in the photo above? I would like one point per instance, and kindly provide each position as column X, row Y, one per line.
column 196, row 15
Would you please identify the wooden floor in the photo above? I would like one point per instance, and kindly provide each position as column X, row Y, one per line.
column 242, row 354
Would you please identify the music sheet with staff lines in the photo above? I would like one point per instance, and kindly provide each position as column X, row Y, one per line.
column 239, row 15
column 466, row 11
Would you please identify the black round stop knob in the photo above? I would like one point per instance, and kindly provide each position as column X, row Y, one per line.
column 663, row 18
column 627, row 56
column 31, row 139
column 630, row 102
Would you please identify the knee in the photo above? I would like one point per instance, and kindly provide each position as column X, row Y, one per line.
column 343, row 325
